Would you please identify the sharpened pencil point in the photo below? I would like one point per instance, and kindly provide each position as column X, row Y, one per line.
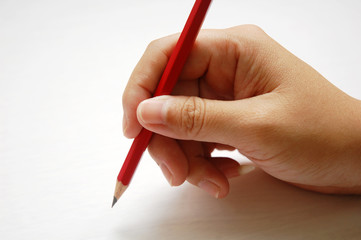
column 114, row 201
column 119, row 190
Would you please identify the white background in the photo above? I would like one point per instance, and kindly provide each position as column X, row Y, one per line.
column 63, row 67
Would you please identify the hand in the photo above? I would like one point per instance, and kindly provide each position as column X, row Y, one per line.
column 241, row 90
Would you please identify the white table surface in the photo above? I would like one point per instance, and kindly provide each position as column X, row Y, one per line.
column 63, row 67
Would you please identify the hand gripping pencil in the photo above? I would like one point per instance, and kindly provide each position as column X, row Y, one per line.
column 165, row 86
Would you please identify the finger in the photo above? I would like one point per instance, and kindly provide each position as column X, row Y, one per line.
column 231, row 168
column 144, row 80
column 170, row 158
column 233, row 123
column 149, row 70
column 203, row 173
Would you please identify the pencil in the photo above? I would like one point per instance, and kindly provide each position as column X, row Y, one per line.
column 165, row 86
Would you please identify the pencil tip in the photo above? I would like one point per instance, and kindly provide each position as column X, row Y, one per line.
column 119, row 190
column 114, row 201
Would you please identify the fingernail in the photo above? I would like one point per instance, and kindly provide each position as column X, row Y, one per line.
column 210, row 188
column 244, row 169
column 150, row 110
column 168, row 175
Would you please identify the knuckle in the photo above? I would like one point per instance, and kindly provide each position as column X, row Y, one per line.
column 192, row 115
column 249, row 29
column 249, row 34
column 156, row 45
column 160, row 42
column 153, row 44
column 253, row 28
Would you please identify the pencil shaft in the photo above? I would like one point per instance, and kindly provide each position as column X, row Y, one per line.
column 166, row 84
column 135, row 153
column 183, row 48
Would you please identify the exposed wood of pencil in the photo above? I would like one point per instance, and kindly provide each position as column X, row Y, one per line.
column 119, row 190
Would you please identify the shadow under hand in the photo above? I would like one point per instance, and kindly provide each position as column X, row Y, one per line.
column 258, row 207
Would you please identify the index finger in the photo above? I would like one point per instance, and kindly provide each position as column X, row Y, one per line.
column 143, row 81
column 145, row 77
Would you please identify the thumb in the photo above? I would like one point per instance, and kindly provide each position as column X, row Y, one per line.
column 194, row 118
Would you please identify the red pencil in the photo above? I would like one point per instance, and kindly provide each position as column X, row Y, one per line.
column 165, row 86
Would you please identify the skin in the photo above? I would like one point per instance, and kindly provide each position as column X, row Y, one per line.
column 240, row 89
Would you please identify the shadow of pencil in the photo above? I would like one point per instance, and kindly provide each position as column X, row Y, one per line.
column 258, row 207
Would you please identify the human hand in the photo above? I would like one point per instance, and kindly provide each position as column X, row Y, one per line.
column 241, row 90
